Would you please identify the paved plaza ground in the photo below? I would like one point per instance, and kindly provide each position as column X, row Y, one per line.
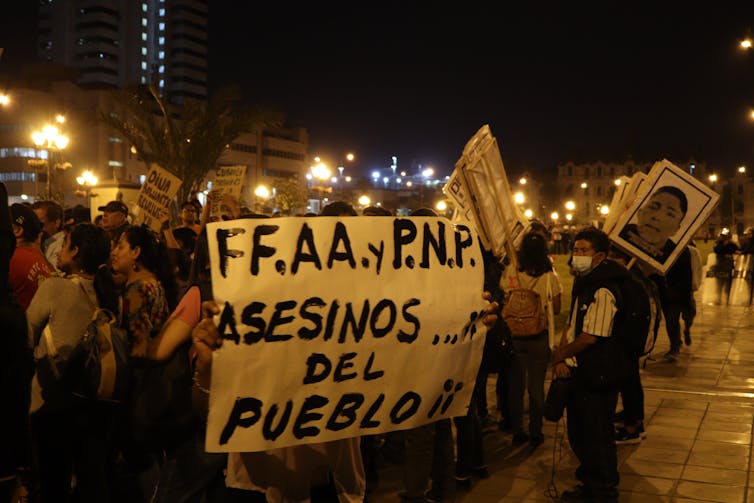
column 699, row 414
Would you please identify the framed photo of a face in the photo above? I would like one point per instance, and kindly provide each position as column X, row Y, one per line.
column 668, row 209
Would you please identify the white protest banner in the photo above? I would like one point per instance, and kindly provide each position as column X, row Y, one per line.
column 228, row 181
column 339, row 327
column 156, row 194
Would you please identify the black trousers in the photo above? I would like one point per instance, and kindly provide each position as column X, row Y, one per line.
column 632, row 394
column 592, row 437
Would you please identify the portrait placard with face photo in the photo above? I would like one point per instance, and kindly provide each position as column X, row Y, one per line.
column 668, row 209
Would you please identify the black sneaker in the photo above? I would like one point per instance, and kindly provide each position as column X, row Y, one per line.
column 619, row 417
column 623, row 437
column 578, row 494
column 672, row 355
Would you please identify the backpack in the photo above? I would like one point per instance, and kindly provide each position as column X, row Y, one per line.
column 99, row 364
column 522, row 312
column 634, row 316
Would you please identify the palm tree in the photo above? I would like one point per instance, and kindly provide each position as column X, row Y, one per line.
column 185, row 139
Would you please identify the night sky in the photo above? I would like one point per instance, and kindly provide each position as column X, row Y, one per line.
column 418, row 80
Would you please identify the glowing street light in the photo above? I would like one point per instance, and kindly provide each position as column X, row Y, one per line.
column 713, row 178
column 427, row 173
column 528, row 213
column 522, row 180
column 617, row 182
column 50, row 138
column 570, row 205
column 745, row 43
column 519, row 198
column 742, row 169
column 604, row 209
column 262, row 191
column 441, row 206
column 4, row 100
column 555, row 216
column 584, row 185
column 569, row 217
column 86, row 180
column 364, row 200
column 320, row 171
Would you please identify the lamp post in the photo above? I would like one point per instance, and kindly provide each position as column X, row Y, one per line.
column 86, row 181
column 50, row 139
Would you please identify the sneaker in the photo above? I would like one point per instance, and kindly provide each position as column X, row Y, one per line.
column 687, row 336
column 623, row 437
column 619, row 417
column 578, row 494
column 672, row 355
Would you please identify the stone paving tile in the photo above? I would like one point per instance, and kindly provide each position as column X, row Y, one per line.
column 736, row 427
column 715, row 475
column 710, row 492
column 678, row 403
column 673, row 443
column 725, row 436
column 680, row 422
column 670, row 431
column 651, row 468
column 667, row 455
column 718, row 460
column 645, row 485
column 707, row 447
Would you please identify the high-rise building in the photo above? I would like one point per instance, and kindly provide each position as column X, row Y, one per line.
column 116, row 43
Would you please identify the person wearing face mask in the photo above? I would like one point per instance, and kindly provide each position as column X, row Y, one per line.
column 590, row 355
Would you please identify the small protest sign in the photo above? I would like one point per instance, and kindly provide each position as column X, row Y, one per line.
column 335, row 327
column 228, row 181
column 667, row 208
column 480, row 185
column 156, row 194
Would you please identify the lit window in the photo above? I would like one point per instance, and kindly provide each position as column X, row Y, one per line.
column 143, row 65
column 143, row 80
column 162, row 83
column 114, row 163
column 143, row 51
column 162, row 69
column 114, row 139
column 143, row 36
column 161, row 54
column 162, row 40
column 143, row 21
column 162, row 26
column 162, row 12
column 144, row 7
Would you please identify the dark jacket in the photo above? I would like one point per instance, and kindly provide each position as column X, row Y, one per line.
column 604, row 364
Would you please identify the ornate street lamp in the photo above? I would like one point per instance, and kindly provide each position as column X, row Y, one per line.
column 50, row 139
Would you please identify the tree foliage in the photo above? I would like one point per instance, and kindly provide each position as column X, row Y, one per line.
column 185, row 139
column 290, row 193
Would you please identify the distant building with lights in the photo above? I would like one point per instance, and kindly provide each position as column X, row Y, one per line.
column 117, row 43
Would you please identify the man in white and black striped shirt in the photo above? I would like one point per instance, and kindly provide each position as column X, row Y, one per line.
column 589, row 352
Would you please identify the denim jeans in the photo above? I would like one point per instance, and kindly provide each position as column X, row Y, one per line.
column 528, row 371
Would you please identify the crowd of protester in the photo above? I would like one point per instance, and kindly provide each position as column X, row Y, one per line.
column 59, row 264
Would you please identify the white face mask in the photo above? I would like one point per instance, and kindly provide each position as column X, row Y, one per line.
column 582, row 264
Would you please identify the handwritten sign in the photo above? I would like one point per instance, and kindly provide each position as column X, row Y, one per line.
column 228, row 181
column 339, row 327
column 156, row 194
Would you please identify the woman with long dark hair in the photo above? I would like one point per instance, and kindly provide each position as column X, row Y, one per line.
column 532, row 353
column 72, row 436
column 150, row 289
